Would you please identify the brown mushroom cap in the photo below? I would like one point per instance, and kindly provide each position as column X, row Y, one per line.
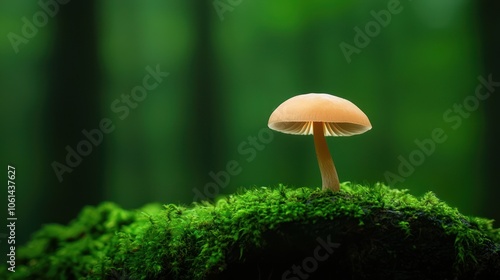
column 340, row 116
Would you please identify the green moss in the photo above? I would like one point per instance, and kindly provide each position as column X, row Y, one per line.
column 262, row 232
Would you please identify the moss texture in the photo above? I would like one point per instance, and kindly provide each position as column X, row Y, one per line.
column 360, row 232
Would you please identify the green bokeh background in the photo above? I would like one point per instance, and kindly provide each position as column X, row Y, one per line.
column 228, row 71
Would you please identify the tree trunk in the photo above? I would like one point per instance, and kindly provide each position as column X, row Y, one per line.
column 489, row 28
column 205, row 128
column 73, row 104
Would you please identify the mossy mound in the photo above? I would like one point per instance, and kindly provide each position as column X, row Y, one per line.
column 270, row 233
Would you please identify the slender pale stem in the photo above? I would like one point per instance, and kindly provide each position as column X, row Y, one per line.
column 329, row 176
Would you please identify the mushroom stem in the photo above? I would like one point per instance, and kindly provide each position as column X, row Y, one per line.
column 329, row 177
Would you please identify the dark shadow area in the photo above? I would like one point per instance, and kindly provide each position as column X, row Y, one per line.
column 489, row 23
column 73, row 105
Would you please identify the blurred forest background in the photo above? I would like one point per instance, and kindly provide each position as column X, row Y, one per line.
column 69, row 66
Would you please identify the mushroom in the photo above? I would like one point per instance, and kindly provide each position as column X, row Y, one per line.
column 322, row 115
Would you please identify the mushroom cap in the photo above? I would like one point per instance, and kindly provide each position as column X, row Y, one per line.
column 340, row 116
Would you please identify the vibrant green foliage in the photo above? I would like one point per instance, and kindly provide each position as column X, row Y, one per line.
column 176, row 242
